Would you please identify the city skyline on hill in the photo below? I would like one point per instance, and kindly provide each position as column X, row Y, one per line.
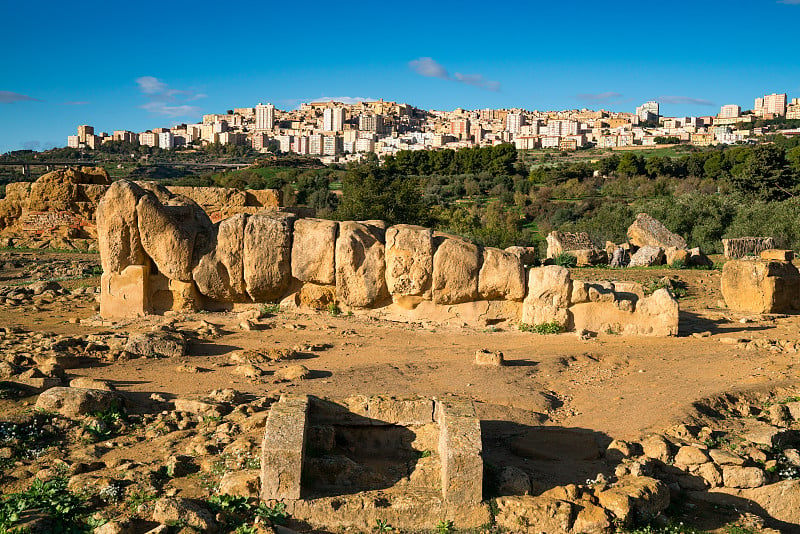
column 114, row 67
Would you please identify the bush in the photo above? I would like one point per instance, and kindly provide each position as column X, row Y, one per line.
column 565, row 259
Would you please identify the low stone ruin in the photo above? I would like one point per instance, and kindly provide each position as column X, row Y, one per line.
column 739, row 247
column 58, row 210
column 649, row 244
column 408, row 462
column 161, row 252
column 768, row 284
column 578, row 244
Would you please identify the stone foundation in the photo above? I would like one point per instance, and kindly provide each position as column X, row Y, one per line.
column 347, row 464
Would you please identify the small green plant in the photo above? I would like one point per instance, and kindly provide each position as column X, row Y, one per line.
column 676, row 287
column 276, row 514
column 67, row 509
column 565, row 259
column 138, row 498
column 425, row 454
column 553, row 327
column 677, row 264
column 245, row 529
column 334, row 309
column 382, row 525
column 444, row 526
column 268, row 310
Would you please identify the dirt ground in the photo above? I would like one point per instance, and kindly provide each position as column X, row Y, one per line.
column 613, row 386
column 621, row 386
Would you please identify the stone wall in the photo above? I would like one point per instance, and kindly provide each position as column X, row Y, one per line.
column 161, row 252
column 740, row 247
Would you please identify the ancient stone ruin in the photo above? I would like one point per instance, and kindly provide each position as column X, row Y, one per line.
column 160, row 251
column 58, row 210
column 768, row 284
column 408, row 462
column 739, row 247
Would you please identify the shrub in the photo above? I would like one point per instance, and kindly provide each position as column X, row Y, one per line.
column 553, row 327
column 565, row 259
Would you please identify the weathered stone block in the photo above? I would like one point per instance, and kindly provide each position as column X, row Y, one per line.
column 125, row 294
column 760, row 286
column 647, row 231
column 456, row 266
column 360, row 265
column 460, row 451
column 283, row 448
column 267, row 252
column 549, row 290
column 313, row 249
column 501, row 276
column 409, row 260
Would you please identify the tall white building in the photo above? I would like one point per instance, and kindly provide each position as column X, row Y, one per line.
column 774, row 104
column 515, row 121
column 265, row 116
column 648, row 111
column 166, row 140
column 730, row 111
column 333, row 119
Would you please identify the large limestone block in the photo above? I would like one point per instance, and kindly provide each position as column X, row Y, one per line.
column 56, row 196
column 313, row 250
column 220, row 273
column 760, row 286
column 646, row 230
column 74, row 402
column 267, row 253
column 635, row 499
column 657, row 314
column 549, row 290
column 125, row 294
column 360, row 265
column 558, row 242
column 267, row 198
column 117, row 227
column 172, row 295
column 456, row 266
column 502, row 276
column 409, row 259
column 166, row 240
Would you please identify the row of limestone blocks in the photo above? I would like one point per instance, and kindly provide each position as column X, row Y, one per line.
column 160, row 252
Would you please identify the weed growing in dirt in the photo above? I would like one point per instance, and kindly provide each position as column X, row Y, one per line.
column 276, row 514
column 675, row 287
column 30, row 438
column 382, row 525
column 334, row 309
column 66, row 509
column 444, row 526
column 565, row 259
column 553, row 327
column 267, row 310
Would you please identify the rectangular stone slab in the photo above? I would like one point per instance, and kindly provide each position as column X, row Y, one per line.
column 460, row 449
column 283, row 448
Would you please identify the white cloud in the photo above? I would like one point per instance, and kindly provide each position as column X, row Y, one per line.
column 7, row 97
column 151, row 85
column 164, row 100
column 684, row 100
column 429, row 67
column 426, row 66
column 162, row 108
column 343, row 99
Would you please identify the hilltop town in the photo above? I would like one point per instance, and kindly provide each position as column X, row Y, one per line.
column 341, row 132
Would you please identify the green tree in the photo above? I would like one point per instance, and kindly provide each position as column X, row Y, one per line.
column 765, row 174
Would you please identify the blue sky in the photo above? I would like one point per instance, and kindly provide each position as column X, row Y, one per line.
column 118, row 67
